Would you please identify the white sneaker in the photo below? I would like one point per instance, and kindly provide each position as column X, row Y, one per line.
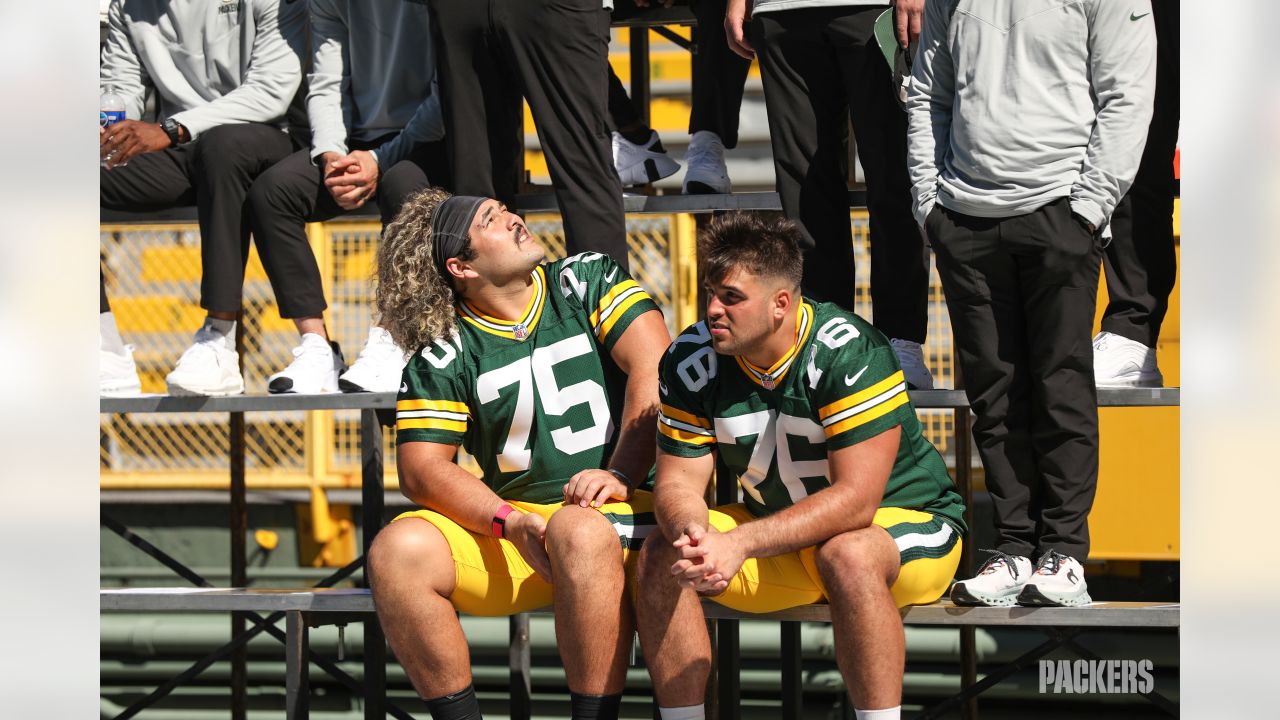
column 315, row 368
column 997, row 583
column 211, row 366
column 117, row 374
column 1057, row 580
column 911, row 358
column 1121, row 362
column 378, row 367
column 640, row 164
column 706, row 173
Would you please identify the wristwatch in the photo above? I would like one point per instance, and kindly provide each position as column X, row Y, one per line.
column 177, row 134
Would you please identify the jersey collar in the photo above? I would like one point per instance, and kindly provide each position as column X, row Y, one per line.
column 769, row 379
column 519, row 330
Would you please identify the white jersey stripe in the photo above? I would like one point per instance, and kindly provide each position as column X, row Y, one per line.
column 438, row 414
column 694, row 429
column 920, row 540
column 866, row 404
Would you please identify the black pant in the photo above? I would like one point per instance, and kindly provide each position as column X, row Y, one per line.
column 492, row 52
column 719, row 75
column 1022, row 292
column 292, row 193
column 1141, row 262
column 821, row 66
column 215, row 172
column 622, row 111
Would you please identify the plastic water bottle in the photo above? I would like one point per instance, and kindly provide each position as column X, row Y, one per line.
column 111, row 112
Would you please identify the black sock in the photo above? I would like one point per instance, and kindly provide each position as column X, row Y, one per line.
column 640, row 136
column 594, row 707
column 461, row 705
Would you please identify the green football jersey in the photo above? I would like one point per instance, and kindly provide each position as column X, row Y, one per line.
column 772, row 428
column 537, row 400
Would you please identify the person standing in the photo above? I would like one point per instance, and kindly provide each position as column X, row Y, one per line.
column 821, row 67
column 376, row 134
column 555, row 56
column 1141, row 263
column 1015, row 191
column 223, row 74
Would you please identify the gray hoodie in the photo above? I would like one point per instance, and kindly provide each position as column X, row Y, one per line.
column 212, row 62
column 372, row 73
column 1015, row 103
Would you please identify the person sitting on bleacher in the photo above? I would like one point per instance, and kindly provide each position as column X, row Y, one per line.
column 223, row 75
column 804, row 404
column 547, row 375
column 375, row 134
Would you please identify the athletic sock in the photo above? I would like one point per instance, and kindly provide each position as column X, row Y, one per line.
column 461, row 705
column 594, row 707
column 688, row 712
column 893, row 713
column 109, row 334
column 225, row 328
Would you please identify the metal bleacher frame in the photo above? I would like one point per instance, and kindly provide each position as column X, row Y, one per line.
column 308, row 607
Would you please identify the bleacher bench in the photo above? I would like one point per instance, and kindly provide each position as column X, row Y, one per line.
column 308, row 608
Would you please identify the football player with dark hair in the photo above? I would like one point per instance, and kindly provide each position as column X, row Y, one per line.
column 546, row 373
column 844, row 501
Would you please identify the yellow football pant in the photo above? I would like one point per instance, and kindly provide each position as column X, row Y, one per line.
column 494, row 579
column 928, row 548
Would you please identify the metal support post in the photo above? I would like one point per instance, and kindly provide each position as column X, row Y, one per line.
column 519, row 660
column 371, row 496
column 792, row 690
column 297, row 685
column 239, row 525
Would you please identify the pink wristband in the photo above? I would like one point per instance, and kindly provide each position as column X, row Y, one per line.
column 499, row 527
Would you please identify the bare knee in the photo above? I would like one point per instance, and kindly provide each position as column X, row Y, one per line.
column 656, row 557
column 859, row 558
column 577, row 532
column 411, row 551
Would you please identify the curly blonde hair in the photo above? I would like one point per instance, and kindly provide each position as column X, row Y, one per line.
column 415, row 304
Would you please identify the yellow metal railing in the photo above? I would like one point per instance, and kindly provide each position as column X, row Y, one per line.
column 153, row 278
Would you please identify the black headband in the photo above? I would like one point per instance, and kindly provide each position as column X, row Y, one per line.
column 450, row 228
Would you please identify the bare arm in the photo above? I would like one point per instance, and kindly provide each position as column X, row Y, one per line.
column 679, row 497
column 430, row 478
column 637, row 354
column 858, row 476
column 859, row 473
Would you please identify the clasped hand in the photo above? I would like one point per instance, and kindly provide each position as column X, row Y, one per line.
column 708, row 559
column 351, row 179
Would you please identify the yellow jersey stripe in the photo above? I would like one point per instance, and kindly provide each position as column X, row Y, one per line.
column 684, row 417
column 442, row 405
column 608, row 299
column 685, row 437
column 860, row 396
column 867, row 416
column 620, row 312
column 431, row 424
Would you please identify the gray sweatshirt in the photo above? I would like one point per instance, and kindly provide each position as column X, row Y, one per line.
column 1015, row 103
column 212, row 62
column 373, row 68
